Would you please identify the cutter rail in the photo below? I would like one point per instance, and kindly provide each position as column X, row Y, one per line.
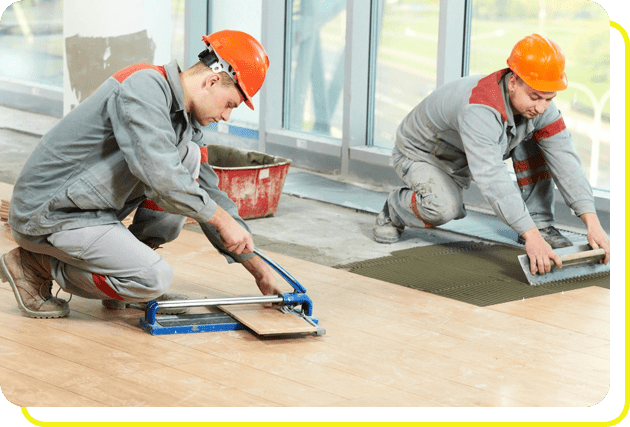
column 209, row 322
column 207, row 302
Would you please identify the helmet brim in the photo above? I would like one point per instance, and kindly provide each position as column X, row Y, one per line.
column 547, row 86
column 243, row 90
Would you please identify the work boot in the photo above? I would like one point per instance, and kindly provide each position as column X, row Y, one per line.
column 551, row 236
column 154, row 246
column 29, row 275
column 114, row 304
column 385, row 230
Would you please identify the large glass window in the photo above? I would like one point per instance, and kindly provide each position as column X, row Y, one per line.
column 177, row 31
column 31, row 43
column 582, row 29
column 406, row 62
column 239, row 15
column 316, row 52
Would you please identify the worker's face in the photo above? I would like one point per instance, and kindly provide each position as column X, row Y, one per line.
column 526, row 100
column 216, row 100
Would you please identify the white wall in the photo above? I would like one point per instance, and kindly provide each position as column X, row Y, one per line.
column 105, row 36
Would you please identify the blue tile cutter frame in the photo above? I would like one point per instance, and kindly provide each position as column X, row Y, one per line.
column 213, row 322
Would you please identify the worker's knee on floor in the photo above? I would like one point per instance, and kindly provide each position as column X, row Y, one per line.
column 436, row 218
column 438, row 214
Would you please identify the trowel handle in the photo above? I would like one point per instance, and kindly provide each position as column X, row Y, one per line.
column 281, row 271
column 582, row 257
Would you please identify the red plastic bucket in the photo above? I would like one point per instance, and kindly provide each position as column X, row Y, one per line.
column 253, row 180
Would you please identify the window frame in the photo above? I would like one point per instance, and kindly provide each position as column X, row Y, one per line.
column 356, row 142
column 353, row 155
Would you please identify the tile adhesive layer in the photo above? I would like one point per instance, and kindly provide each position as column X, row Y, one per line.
column 476, row 273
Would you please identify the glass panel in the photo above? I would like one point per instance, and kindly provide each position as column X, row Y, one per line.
column 239, row 15
column 582, row 29
column 316, row 53
column 406, row 62
column 177, row 31
column 31, row 42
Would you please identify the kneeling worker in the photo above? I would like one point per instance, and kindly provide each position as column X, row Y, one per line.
column 133, row 144
column 465, row 129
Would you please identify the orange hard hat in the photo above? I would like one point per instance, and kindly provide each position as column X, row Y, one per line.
column 241, row 56
column 539, row 61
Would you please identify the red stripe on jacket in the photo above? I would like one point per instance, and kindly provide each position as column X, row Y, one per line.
column 522, row 182
column 101, row 283
column 126, row 72
column 488, row 92
column 550, row 130
column 531, row 163
column 204, row 154
column 151, row 205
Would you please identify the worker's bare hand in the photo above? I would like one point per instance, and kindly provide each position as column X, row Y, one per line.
column 540, row 253
column 233, row 236
column 596, row 235
column 268, row 286
column 265, row 280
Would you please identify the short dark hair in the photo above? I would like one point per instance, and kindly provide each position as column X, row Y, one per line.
column 201, row 68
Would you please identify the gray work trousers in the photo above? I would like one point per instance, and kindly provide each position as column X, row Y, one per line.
column 431, row 197
column 111, row 261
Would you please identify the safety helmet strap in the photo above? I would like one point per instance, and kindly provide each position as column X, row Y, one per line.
column 217, row 64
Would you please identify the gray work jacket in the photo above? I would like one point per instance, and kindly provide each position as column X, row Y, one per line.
column 120, row 146
column 466, row 127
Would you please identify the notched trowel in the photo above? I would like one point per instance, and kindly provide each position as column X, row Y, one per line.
column 577, row 261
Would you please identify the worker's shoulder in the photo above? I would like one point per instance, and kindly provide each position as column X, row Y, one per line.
column 487, row 91
column 473, row 90
column 140, row 68
column 142, row 80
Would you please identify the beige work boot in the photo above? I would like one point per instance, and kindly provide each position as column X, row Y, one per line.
column 114, row 304
column 28, row 274
column 385, row 230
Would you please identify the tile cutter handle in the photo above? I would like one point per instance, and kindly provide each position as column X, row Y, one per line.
column 298, row 297
column 282, row 272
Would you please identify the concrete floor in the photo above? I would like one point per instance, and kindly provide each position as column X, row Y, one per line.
column 331, row 235
column 305, row 229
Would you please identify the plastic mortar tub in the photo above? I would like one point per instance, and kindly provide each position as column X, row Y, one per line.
column 253, row 180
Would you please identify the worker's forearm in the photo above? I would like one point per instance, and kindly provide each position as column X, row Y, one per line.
column 256, row 267
column 532, row 233
column 590, row 219
column 264, row 278
column 220, row 218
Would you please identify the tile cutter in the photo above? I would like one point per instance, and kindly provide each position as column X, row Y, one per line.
column 212, row 322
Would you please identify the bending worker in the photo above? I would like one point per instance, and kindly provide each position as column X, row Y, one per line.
column 134, row 143
column 465, row 129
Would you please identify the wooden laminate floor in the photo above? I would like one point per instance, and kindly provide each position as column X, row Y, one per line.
column 385, row 345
